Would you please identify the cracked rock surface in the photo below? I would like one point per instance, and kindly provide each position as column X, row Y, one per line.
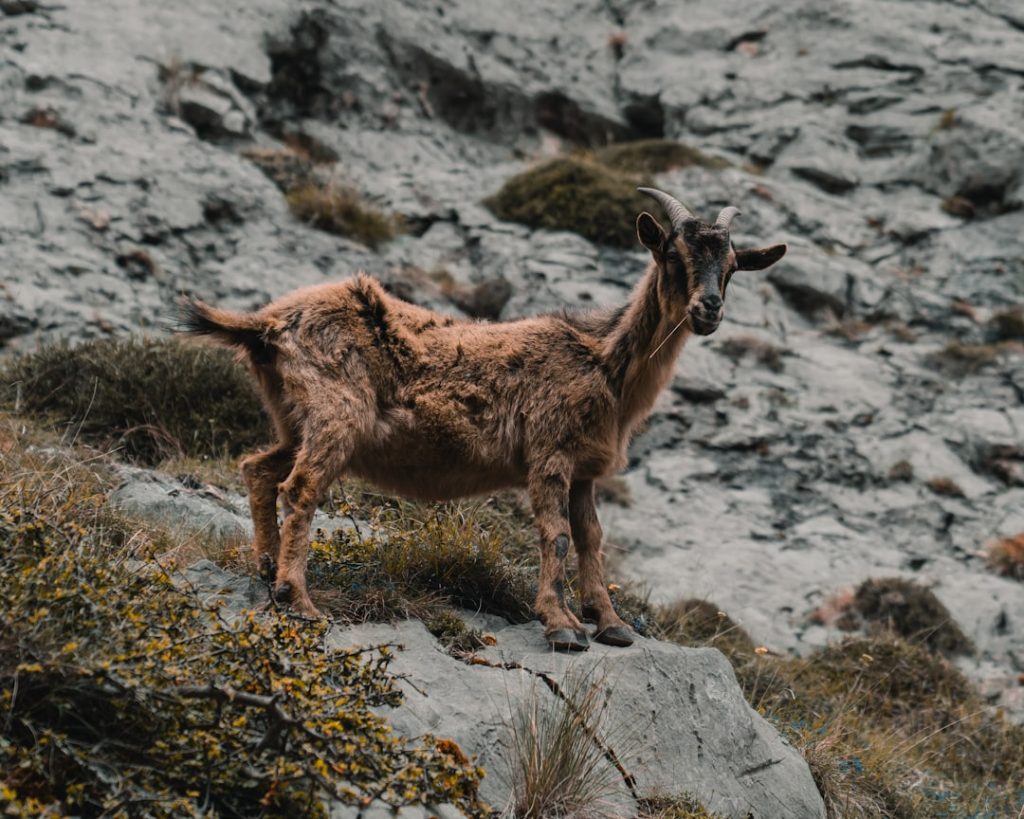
column 880, row 139
column 677, row 720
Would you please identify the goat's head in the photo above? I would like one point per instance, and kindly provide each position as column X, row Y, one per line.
column 697, row 259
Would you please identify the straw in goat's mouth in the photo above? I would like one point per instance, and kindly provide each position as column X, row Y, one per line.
column 664, row 341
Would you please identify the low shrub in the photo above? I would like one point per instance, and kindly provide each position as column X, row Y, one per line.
column 124, row 694
column 152, row 399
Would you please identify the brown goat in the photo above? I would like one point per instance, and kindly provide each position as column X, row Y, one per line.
column 358, row 382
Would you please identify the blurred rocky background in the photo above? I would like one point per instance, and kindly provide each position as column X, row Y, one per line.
column 859, row 414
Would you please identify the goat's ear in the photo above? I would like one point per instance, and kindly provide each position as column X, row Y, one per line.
column 759, row 259
column 651, row 234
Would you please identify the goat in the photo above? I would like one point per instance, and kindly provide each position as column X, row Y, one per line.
column 362, row 383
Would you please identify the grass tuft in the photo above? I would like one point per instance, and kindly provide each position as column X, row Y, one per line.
column 673, row 807
column 701, row 623
column 946, row 487
column 959, row 360
column 152, row 399
column 911, row 611
column 557, row 768
column 1006, row 557
column 337, row 208
column 1008, row 325
column 762, row 352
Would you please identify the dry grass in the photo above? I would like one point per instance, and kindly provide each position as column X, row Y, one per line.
column 557, row 769
column 337, row 208
column 673, row 807
column 902, row 471
column 150, row 399
column 1006, row 557
column 959, row 360
column 912, row 611
column 946, row 487
column 1008, row 325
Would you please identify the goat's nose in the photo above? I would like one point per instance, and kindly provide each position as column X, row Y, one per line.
column 711, row 303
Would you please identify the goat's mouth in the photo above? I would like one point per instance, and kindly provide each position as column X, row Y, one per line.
column 703, row 324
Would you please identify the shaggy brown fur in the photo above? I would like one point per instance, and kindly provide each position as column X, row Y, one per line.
column 361, row 383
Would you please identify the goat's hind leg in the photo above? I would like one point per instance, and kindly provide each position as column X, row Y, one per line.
column 587, row 534
column 263, row 472
column 549, row 496
column 320, row 461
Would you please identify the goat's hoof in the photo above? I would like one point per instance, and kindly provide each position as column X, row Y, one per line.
column 283, row 592
column 621, row 636
column 566, row 639
column 589, row 613
column 267, row 568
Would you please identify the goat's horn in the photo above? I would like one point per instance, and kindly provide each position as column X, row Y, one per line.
column 677, row 214
column 726, row 216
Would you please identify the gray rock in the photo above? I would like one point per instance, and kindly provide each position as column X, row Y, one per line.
column 676, row 715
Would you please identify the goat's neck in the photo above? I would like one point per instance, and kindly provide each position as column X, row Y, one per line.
column 642, row 347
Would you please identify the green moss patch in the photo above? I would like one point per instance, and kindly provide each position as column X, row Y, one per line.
column 594, row 195
column 152, row 399
column 573, row 194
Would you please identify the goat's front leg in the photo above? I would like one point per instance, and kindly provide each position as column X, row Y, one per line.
column 587, row 534
column 549, row 496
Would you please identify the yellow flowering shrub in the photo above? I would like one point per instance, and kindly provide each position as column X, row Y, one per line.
column 123, row 694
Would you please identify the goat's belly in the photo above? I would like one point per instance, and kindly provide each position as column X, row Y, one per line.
column 438, row 476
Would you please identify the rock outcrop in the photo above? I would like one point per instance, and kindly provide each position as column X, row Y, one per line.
column 676, row 723
column 880, row 139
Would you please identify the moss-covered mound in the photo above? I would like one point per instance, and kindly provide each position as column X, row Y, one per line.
column 594, row 196
column 124, row 695
column 912, row 611
column 574, row 194
column 651, row 156
column 152, row 399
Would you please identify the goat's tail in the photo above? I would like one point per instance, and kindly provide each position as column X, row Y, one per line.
column 245, row 332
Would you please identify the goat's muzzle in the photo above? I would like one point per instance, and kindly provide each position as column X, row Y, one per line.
column 706, row 315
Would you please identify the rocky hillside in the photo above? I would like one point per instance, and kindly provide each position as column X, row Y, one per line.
column 859, row 414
